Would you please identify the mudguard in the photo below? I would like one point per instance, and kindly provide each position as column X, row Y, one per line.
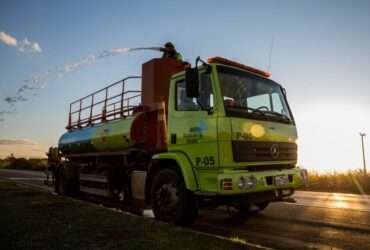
column 185, row 166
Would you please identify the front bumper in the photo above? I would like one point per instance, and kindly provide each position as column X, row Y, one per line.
column 228, row 182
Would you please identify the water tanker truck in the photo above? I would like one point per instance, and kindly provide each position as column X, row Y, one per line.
column 220, row 133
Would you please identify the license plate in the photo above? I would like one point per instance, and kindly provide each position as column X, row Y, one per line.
column 281, row 180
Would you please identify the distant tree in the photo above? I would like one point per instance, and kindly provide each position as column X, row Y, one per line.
column 10, row 158
column 20, row 163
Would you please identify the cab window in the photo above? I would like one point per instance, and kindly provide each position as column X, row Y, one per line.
column 184, row 103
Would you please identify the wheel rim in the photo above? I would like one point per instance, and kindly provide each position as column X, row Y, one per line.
column 167, row 200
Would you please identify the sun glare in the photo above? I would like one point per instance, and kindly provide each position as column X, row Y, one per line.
column 329, row 139
column 339, row 201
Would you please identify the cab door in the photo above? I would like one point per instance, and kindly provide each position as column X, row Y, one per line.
column 192, row 123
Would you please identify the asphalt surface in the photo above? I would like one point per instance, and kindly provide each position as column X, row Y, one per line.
column 316, row 221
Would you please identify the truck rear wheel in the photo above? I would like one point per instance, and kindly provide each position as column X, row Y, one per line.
column 60, row 181
column 171, row 201
column 64, row 185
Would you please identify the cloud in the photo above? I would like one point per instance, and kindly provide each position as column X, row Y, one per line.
column 16, row 142
column 29, row 47
column 25, row 46
column 8, row 39
column 22, row 148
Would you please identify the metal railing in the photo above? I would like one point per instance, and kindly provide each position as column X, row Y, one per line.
column 112, row 102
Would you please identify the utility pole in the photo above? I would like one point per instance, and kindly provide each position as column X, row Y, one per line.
column 363, row 151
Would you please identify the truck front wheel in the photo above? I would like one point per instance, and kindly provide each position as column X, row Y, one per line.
column 171, row 201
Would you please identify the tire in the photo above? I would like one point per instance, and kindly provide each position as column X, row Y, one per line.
column 262, row 205
column 60, row 183
column 171, row 201
column 66, row 186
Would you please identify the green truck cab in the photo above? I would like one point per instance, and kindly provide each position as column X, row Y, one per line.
column 235, row 138
column 227, row 137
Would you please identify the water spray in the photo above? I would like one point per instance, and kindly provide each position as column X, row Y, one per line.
column 40, row 80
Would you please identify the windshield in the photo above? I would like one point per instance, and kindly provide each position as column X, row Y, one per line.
column 247, row 95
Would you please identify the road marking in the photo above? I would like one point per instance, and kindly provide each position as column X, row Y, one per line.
column 291, row 243
column 250, row 244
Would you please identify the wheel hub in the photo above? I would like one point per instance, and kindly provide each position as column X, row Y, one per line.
column 167, row 198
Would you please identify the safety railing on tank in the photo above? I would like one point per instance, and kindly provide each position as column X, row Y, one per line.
column 115, row 101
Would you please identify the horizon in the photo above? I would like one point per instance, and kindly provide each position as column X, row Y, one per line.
column 320, row 54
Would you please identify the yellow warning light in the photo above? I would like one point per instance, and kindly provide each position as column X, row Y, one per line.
column 218, row 59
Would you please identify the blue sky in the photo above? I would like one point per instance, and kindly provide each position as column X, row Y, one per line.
column 321, row 55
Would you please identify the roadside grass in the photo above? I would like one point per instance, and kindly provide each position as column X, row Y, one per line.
column 354, row 181
column 32, row 219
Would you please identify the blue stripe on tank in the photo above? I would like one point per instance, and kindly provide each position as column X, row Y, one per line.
column 77, row 136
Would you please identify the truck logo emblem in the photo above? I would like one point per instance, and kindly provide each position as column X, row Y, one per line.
column 275, row 151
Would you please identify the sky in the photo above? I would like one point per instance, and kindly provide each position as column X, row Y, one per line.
column 320, row 54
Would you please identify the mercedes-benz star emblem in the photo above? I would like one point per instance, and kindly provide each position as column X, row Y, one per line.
column 275, row 151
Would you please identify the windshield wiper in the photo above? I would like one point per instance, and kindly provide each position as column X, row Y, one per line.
column 286, row 118
column 256, row 111
column 264, row 113
column 248, row 109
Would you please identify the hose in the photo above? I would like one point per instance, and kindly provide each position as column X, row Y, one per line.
column 148, row 48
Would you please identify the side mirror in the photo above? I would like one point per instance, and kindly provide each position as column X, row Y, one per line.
column 192, row 82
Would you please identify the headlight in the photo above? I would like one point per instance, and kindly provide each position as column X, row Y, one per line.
column 247, row 182
column 242, row 182
column 251, row 182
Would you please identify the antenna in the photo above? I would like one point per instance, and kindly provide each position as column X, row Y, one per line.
column 270, row 54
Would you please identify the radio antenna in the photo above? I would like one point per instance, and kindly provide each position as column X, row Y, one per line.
column 270, row 54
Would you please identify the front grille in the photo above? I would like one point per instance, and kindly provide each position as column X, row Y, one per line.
column 247, row 151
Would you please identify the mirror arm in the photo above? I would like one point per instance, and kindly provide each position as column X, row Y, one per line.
column 198, row 59
column 206, row 65
column 209, row 110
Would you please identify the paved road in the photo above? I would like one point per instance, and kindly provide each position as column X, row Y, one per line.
column 316, row 221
